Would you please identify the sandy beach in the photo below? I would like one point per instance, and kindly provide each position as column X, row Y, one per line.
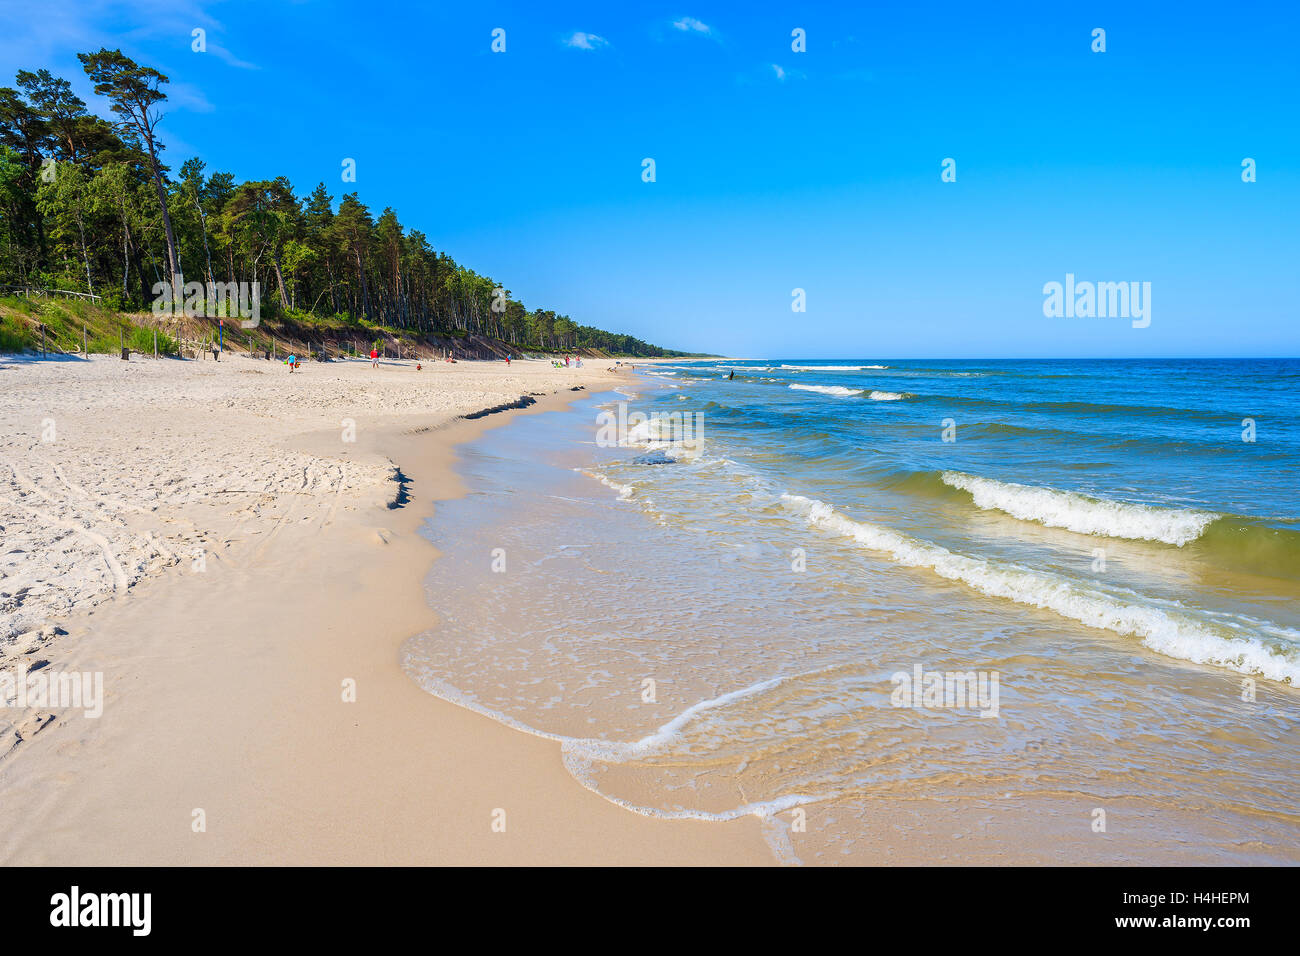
column 237, row 554
column 646, row 438
column 216, row 540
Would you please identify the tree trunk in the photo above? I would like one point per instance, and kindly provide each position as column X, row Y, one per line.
column 203, row 227
column 173, row 256
column 361, row 275
column 279, row 277
column 85, row 256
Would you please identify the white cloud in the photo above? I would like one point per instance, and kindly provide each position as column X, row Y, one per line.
column 222, row 53
column 188, row 97
column 38, row 37
column 585, row 41
column 691, row 25
column 782, row 74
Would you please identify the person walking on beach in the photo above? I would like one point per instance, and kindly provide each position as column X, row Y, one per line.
column 374, row 358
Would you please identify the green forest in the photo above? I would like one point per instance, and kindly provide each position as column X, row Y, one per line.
column 87, row 204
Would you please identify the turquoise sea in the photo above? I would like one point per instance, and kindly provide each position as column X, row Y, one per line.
column 871, row 601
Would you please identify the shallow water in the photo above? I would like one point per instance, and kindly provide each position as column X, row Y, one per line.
column 728, row 634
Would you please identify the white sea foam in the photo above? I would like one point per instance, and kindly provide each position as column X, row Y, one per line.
column 581, row 753
column 624, row 491
column 1166, row 631
column 841, row 392
column 831, row 368
column 675, row 435
column 838, row 390
column 1064, row 509
column 612, row 751
column 646, row 431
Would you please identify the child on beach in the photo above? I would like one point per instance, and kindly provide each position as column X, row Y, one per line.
column 374, row 358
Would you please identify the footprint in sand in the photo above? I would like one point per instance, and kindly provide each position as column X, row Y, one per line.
column 31, row 725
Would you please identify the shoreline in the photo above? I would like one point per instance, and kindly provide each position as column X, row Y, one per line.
column 1023, row 790
column 224, row 689
column 241, row 716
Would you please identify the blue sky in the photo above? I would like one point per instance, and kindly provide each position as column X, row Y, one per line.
column 775, row 170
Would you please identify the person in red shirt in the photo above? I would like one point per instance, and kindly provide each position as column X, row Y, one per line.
column 374, row 358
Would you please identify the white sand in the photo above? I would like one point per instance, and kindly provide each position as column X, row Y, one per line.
column 222, row 683
column 112, row 471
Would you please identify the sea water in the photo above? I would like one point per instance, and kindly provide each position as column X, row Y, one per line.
column 806, row 613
